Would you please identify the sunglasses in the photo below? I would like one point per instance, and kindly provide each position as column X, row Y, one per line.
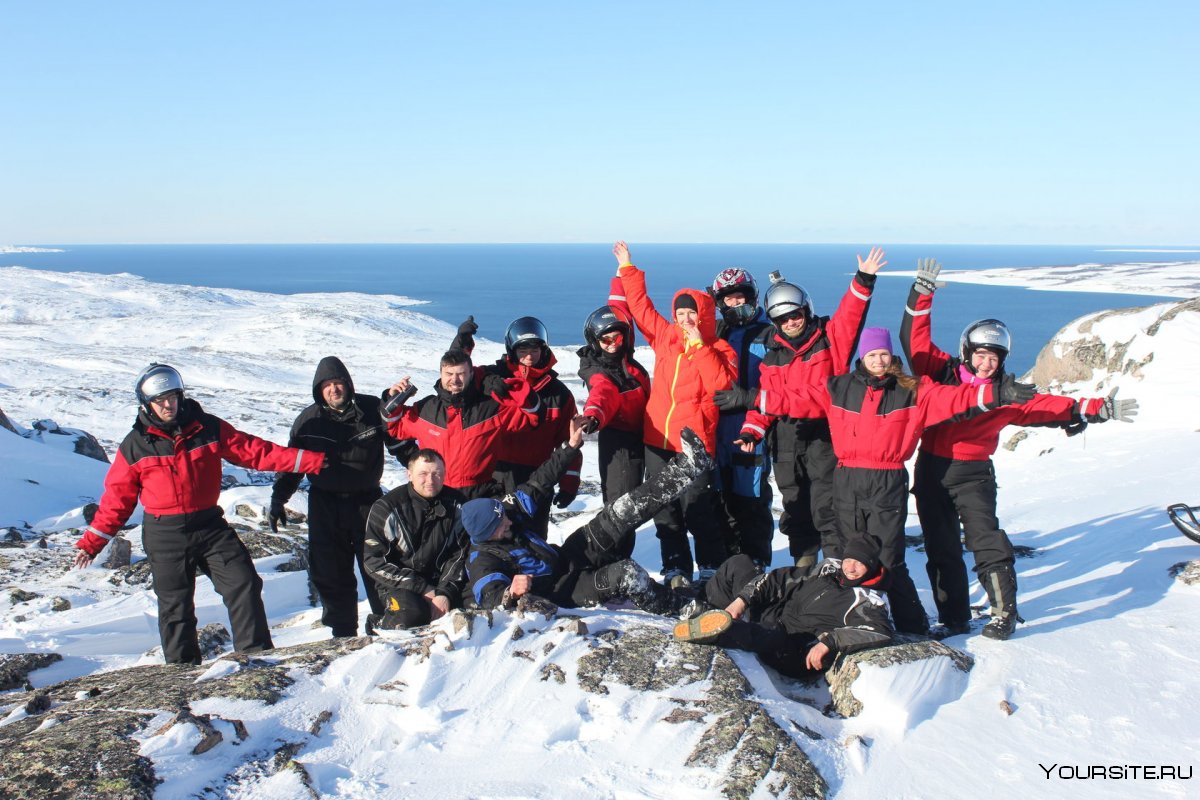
column 611, row 338
column 791, row 316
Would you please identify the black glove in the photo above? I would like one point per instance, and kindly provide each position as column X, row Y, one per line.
column 564, row 499
column 736, row 399
column 468, row 328
column 494, row 384
column 277, row 516
column 590, row 424
column 1010, row 393
column 1075, row 427
column 746, row 438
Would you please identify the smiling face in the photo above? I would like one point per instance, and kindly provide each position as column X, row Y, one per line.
column 853, row 569
column 454, row 377
column 687, row 318
column 427, row 476
column 792, row 324
column 334, row 393
column 985, row 362
column 877, row 362
column 611, row 342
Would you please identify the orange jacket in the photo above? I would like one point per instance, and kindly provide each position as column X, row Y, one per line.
column 685, row 378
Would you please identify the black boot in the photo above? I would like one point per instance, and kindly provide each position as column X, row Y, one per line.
column 629, row 511
column 630, row 580
column 1001, row 587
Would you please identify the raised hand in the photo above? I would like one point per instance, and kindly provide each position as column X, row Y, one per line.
column 1112, row 408
column 621, row 251
column 927, row 272
column 875, row 261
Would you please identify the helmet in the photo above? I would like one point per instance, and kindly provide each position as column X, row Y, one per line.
column 989, row 333
column 783, row 298
column 522, row 330
column 728, row 281
column 605, row 319
column 155, row 381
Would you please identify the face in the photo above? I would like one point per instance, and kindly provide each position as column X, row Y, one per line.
column 334, row 393
column 611, row 342
column 853, row 568
column 454, row 377
column 504, row 531
column 985, row 362
column 166, row 406
column 792, row 324
column 876, row 362
column 528, row 355
column 427, row 477
column 734, row 299
column 686, row 317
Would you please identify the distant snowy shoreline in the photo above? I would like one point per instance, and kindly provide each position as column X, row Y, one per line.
column 9, row 248
column 1160, row 279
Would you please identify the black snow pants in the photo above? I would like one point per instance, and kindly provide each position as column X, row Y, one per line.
column 804, row 464
column 947, row 491
column 179, row 545
column 694, row 511
column 622, row 466
column 337, row 522
column 872, row 505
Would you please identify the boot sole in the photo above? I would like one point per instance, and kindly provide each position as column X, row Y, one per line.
column 704, row 628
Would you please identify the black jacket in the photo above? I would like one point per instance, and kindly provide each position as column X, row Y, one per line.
column 417, row 544
column 846, row 619
column 354, row 439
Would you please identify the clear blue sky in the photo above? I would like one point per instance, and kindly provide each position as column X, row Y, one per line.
column 585, row 121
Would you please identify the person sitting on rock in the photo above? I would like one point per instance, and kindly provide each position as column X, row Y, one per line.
column 793, row 620
column 507, row 561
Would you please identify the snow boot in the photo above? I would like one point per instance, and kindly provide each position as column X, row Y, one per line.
column 1001, row 587
column 703, row 629
column 629, row 511
column 630, row 580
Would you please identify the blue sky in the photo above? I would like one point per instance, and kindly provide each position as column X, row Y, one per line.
column 580, row 121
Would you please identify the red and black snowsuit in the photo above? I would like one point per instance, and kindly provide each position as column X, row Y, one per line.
column 686, row 376
column 799, row 446
column 340, row 498
column 176, row 473
column 788, row 610
column 465, row 429
column 954, row 478
column 875, row 424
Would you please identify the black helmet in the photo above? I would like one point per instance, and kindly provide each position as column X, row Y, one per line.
column 155, row 381
column 783, row 298
column 728, row 281
column 604, row 320
column 524, row 330
column 991, row 334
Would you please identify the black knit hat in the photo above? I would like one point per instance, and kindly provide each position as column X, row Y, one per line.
column 685, row 300
column 867, row 553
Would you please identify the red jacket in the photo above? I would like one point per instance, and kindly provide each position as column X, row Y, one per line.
column 827, row 350
column 874, row 422
column 464, row 429
column 975, row 437
column 181, row 474
column 685, row 378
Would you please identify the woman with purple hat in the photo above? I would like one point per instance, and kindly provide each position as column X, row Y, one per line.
column 876, row 415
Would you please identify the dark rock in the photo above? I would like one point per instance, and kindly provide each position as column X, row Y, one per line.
column 38, row 704
column 42, row 544
column 6, row 423
column 83, row 442
column 214, row 638
column 89, row 512
column 554, row 671
column 845, row 670
column 262, row 544
column 120, row 553
column 18, row 595
column 297, row 563
column 246, row 511
column 60, row 604
column 13, row 536
column 319, row 722
column 1186, row 571
column 134, row 574
column 15, row 668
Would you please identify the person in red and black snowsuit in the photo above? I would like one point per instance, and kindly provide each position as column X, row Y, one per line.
column 462, row 422
column 618, row 388
column 690, row 364
column 348, row 428
column 876, row 414
column 171, row 462
column 806, row 349
column 528, row 358
column 795, row 619
column 955, row 479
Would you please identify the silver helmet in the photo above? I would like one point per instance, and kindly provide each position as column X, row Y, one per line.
column 991, row 334
column 155, row 381
column 783, row 298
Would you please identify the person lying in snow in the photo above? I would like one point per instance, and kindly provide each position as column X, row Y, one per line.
column 793, row 620
column 507, row 561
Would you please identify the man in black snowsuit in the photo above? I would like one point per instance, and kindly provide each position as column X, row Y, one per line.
column 792, row 620
column 415, row 546
column 506, row 560
column 347, row 427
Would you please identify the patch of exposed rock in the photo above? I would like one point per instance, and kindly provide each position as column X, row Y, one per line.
column 15, row 668
column 1187, row 572
column 82, row 442
column 847, row 669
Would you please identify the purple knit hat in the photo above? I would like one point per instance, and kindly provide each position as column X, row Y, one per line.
column 874, row 339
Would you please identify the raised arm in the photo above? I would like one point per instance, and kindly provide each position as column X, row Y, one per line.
column 645, row 316
column 915, row 329
column 847, row 321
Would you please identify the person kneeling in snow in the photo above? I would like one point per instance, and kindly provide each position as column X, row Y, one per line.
column 794, row 621
column 507, row 561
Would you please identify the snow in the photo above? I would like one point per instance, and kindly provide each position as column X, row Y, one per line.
column 1166, row 279
column 1102, row 672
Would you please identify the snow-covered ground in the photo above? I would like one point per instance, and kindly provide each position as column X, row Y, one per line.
column 1102, row 673
column 1163, row 279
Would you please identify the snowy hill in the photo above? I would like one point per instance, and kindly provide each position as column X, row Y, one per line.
column 1100, row 674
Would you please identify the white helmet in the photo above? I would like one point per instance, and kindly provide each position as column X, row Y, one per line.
column 155, row 381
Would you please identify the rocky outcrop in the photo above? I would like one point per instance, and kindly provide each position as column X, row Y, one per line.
column 846, row 670
column 15, row 668
column 1187, row 572
column 81, row 442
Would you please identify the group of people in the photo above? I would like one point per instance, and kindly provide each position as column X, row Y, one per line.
column 744, row 383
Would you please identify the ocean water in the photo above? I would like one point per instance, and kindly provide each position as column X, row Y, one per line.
column 562, row 283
